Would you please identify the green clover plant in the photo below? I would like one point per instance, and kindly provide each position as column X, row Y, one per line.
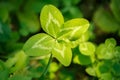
column 59, row 36
column 102, row 61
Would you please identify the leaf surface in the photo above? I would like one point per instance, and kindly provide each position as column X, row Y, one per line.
column 62, row 53
column 73, row 29
column 39, row 45
column 51, row 20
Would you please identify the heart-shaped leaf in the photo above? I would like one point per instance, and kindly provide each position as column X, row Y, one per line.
column 51, row 20
column 38, row 45
column 62, row 53
column 74, row 28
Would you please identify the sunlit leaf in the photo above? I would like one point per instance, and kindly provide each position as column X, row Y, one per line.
column 39, row 45
column 87, row 48
column 90, row 71
column 51, row 20
column 62, row 53
column 85, row 37
column 74, row 28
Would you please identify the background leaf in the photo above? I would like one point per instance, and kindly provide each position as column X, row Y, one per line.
column 29, row 23
column 105, row 21
column 115, row 7
column 5, row 32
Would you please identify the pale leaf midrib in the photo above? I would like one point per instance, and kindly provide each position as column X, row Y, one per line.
column 51, row 19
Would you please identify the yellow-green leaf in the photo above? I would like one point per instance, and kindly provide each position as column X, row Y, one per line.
column 73, row 29
column 62, row 53
column 39, row 45
column 51, row 20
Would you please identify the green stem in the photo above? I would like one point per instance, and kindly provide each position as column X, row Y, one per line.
column 46, row 68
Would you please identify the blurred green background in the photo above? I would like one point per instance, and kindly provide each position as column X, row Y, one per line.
column 19, row 20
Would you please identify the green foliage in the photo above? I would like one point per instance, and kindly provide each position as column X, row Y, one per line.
column 51, row 23
column 106, row 65
column 109, row 21
column 106, row 51
column 54, row 25
column 54, row 41
column 105, row 21
column 29, row 24
column 39, row 45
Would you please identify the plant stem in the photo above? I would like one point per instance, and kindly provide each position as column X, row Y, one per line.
column 46, row 68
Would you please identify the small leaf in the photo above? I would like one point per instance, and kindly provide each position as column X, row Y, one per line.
column 51, row 20
column 87, row 48
column 80, row 58
column 103, row 52
column 62, row 53
column 110, row 43
column 90, row 71
column 39, row 45
column 73, row 29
